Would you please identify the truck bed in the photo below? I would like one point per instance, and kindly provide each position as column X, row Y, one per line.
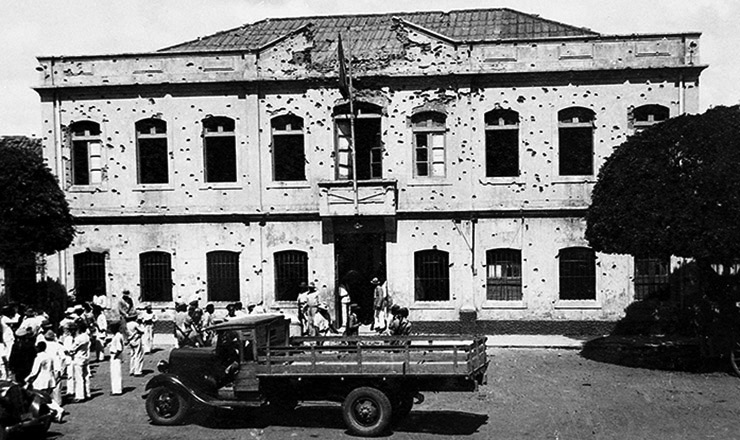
column 382, row 356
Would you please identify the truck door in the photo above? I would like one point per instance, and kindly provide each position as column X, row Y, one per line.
column 246, row 378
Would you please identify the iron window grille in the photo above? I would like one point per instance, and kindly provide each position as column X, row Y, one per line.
column 651, row 277
column 577, row 274
column 504, row 275
column 89, row 275
column 291, row 268
column 432, row 275
column 222, row 274
column 155, row 271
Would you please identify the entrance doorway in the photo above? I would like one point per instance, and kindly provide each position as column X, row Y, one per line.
column 359, row 257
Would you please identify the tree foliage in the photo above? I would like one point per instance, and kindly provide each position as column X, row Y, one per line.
column 34, row 215
column 672, row 189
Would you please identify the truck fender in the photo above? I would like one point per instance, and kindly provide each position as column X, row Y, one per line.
column 170, row 380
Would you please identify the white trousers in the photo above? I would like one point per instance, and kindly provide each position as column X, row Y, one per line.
column 136, row 360
column 115, row 376
column 82, row 380
column 148, row 338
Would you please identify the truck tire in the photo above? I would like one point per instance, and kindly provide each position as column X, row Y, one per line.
column 167, row 406
column 367, row 411
column 735, row 358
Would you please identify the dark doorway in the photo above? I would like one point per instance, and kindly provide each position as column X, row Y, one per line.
column 359, row 257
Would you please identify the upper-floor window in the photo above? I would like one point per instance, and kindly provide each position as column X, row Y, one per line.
column 429, row 144
column 504, row 275
column 368, row 148
column 155, row 276
column 291, row 268
column 288, row 148
column 152, row 152
column 651, row 277
column 87, row 163
column 431, row 275
column 222, row 272
column 577, row 273
column 502, row 143
column 219, row 149
column 89, row 273
column 576, row 141
column 647, row 115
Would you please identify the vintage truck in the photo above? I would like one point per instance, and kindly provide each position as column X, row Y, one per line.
column 255, row 362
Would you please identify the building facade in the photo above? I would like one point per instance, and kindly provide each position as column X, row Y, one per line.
column 224, row 165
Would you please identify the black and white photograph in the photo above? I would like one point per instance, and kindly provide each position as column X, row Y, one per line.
column 296, row 219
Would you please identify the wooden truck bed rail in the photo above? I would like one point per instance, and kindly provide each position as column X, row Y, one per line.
column 420, row 356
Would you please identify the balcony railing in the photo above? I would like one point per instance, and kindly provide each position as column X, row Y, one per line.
column 374, row 197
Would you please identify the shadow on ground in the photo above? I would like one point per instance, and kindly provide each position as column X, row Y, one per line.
column 653, row 335
column 450, row 423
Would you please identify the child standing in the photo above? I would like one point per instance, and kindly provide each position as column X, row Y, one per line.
column 148, row 319
column 116, row 352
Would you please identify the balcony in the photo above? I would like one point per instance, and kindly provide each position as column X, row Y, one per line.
column 376, row 197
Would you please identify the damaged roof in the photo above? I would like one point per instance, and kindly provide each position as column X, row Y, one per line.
column 373, row 35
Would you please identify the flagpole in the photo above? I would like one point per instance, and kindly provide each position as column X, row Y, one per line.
column 352, row 149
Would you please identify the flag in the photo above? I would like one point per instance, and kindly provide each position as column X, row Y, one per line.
column 343, row 81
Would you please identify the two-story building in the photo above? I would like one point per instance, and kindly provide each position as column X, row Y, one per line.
column 225, row 164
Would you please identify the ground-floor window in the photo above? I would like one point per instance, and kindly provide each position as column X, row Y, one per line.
column 155, row 272
column 651, row 277
column 89, row 272
column 431, row 275
column 291, row 268
column 222, row 272
column 504, row 275
column 577, row 273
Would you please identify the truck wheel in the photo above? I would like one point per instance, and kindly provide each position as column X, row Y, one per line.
column 402, row 406
column 735, row 357
column 367, row 411
column 167, row 406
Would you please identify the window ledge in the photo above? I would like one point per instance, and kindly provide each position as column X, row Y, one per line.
column 289, row 185
column 560, row 180
column 578, row 304
column 153, row 187
column 429, row 183
column 513, row 305
column 433, row 305
column 501, row 181
column 220, row 186
column 86, row 189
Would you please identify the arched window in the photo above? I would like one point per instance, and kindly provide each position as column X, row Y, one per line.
column 368, row 146
column 87, row 164
column 429, row 144
column 151, row 151
column 155, row 276
column 504, row 275
column 219, row 149
column 431, row 275
column 222, row 272
column 502, row 143
column 647, row 115
column 89, row 271
column 291, row 268
column 577, row 273
column 576, row 141
column 288, row 148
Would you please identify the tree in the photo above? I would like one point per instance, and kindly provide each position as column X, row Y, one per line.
column 34, row 215
column 672, row 189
